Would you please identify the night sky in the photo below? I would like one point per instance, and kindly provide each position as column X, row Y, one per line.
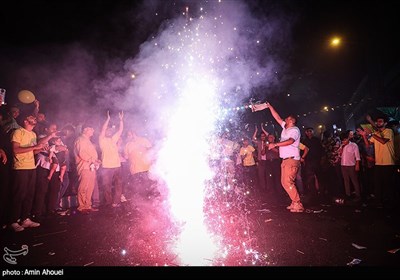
column 314, row 74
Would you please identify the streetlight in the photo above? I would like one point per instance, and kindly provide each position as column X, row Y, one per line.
column 371, row 85
column 335, row 41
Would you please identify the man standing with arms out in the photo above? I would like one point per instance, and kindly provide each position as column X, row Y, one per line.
column 289, row 152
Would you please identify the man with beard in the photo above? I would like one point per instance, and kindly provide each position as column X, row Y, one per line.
column 24, row 146
column 383, row 141
column 289, row 152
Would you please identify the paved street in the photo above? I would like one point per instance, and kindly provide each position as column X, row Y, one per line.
column 139, row 232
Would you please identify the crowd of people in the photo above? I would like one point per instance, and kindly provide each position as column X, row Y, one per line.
column 42, row 164
column 355, row 167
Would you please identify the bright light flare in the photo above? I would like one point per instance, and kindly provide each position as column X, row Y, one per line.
column 335, row 41
column 186, row 150
column 195, row 68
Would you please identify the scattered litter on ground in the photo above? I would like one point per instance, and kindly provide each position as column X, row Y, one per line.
column 310, row 211
column 326, row 205
column 300, row 252
column 339, row 201
column 37, row 244
column 324, row 239
column 358, row 246
column 394, row 251
column 264, row 210
column 354, row 262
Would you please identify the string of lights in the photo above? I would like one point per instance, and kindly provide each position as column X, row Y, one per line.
column 325, row 109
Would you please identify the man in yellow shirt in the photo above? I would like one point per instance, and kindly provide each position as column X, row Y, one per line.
column 111, row 162
column 249, row 165
column 137, row 152
column 24, row 145
column 87, row 163
column 383, row 141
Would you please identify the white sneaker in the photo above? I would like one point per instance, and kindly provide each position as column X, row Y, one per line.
column 63, row 212
column 290, row 206
column 28, row 223
column 297, row 208
column 123, row 198
column 16, row 227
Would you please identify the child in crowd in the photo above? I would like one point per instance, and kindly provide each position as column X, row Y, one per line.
column 58, row 156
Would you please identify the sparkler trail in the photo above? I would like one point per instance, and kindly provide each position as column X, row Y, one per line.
column 184, row 76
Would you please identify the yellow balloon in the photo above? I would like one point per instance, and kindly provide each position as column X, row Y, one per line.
column 26, row 96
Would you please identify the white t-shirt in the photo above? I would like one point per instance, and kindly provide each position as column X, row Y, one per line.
column 291, row 150
column 350, row 155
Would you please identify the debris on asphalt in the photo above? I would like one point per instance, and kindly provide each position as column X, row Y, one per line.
column 309, row 211
column 339, row 201
column 300, row 252
column 324, row 239
column 394, row 251
column 358, row 246
column 51, row 253
column 354, row 262
column 268, row 220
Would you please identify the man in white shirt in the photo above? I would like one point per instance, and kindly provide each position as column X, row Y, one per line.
column 350, row 164
column 290, row 153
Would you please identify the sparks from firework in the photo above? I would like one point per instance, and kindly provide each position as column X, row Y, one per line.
column 186, row 187
column 195, row 67
column 190, row 128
